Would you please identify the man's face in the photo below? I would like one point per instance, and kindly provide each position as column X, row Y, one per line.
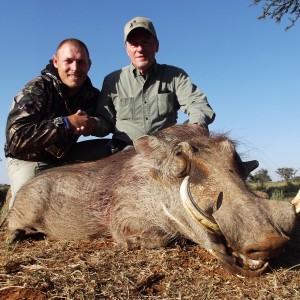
column 72, row 64
column 141, row 47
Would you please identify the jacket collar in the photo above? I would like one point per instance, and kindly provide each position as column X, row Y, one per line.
column 135, row 71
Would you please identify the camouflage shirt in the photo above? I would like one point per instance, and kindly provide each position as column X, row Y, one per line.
column 35, row 129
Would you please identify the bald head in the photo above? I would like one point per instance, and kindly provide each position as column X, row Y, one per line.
column 76, row 43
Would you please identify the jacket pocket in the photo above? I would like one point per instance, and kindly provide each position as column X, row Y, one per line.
column 165, row 103
column 125, row 108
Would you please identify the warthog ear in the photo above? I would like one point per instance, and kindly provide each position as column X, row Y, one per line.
column 150, row 147
column 249, row 166
column 187, row 148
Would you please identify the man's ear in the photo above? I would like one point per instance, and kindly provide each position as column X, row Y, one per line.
column 54, row 60
column 157, row 45
column 126, row 48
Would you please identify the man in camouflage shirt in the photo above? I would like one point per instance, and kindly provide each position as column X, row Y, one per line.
column 49, row 115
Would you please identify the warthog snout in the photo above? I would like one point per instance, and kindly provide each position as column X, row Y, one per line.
column 270, row 247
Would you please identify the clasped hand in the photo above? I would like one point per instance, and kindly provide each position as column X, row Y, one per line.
column 81, row 123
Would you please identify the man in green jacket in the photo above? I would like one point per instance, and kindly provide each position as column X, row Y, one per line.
column 145, row 96
column 49, row 115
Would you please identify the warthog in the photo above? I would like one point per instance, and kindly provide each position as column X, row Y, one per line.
column 179, row 183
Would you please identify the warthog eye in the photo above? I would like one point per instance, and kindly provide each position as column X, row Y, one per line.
column 178, row 152
column 194, row 149
column 179, row 162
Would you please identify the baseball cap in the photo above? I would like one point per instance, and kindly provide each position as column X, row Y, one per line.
column 139, row 22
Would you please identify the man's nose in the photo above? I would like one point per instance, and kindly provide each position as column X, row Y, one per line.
column 74, row 65
column 139, row 47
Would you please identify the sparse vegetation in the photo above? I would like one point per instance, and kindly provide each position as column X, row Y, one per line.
column 287, row 174
column 282, row 189
column 279, row 9
column 277, row 195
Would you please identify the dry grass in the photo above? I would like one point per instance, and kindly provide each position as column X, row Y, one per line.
column 44, row 269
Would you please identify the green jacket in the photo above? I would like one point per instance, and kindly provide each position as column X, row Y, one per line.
column 35, row 128
column 131, row 106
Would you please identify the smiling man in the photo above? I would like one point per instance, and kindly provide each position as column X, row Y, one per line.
column 72, row 62
column 49, row 115
column 145, row 96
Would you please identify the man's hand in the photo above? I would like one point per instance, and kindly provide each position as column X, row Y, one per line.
column 81, row 123
column 200, row 127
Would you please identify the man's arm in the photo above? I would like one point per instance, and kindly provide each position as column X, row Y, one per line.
column 26, row 131
column 193, row 101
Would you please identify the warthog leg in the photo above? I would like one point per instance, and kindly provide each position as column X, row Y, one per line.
column 16, row 236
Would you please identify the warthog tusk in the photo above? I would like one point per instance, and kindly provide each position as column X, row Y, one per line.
column 296, row 202
column 191, row 206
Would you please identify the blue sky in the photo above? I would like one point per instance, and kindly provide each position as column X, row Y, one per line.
column 248, row 69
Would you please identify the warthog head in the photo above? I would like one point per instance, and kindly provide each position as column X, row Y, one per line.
column 243, row 230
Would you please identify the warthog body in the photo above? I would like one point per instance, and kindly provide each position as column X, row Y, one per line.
column 134, row 196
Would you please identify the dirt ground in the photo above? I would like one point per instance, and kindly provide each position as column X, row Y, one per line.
column 99, row 269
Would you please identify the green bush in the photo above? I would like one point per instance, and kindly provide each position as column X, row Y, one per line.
column 277, row 194
column 278, row 190
column 289, row 190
